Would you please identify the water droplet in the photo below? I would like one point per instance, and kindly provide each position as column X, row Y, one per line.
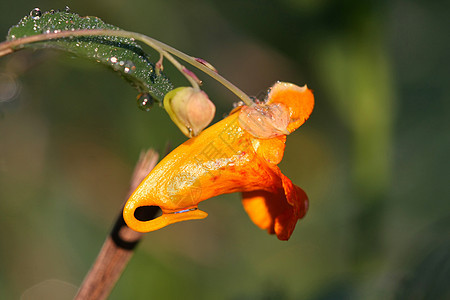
column 145, row 101
column 9, row 87
column 238, row 104
column 113, row 60
column 35, row 14
column 129, row 67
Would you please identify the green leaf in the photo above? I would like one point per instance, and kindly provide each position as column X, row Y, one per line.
column 123, row 55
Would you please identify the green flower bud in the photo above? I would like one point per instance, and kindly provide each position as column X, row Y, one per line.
column 189, row 109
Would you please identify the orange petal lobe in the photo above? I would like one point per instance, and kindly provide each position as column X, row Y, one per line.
column 299, row 100
column 271, row 150
column 277, row 211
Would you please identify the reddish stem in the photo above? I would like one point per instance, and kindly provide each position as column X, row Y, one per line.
column 118, row 246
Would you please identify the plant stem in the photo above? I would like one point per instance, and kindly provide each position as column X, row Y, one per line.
column 118, row 247
column 165, row 50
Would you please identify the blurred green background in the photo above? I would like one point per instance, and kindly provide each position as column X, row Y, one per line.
column 373, row 157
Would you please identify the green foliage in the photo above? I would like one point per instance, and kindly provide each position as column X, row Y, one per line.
column 123, row 55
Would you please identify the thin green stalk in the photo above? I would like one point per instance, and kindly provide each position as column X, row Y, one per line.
column 165, row 51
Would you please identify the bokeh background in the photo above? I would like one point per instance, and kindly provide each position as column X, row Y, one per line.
column 373, row 157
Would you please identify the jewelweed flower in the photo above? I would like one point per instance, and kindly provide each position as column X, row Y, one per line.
column 238, row 154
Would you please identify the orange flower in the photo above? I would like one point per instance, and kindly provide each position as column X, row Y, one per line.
column 238, row 154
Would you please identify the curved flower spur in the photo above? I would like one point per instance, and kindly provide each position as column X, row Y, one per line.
column 238, row 154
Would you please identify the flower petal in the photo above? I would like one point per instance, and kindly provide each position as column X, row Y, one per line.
column 271, row 150
column 277, row 211
column 299, row 100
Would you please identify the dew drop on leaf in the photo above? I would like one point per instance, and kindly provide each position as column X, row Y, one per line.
column 122, row 55
column 145, row 101
column 129, row 67
column 113, row 60
column 35, row 14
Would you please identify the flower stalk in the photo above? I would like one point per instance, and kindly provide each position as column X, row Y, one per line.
column 164, row 50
